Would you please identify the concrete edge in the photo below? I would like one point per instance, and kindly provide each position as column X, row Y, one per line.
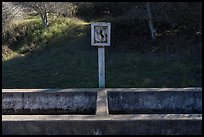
column 104, row 89
column 102, row 117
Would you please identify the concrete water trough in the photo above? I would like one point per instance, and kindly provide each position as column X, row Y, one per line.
column 48, row 101
column 155, row 102
column 124, row 111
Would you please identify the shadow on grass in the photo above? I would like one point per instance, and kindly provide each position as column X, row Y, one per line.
column 70, row 63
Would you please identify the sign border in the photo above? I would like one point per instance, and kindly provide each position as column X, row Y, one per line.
column 92, row 33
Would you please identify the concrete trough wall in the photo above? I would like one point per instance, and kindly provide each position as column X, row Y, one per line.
column 154, row 102
column 49, row 102
column 103, row 111
column 138, row 124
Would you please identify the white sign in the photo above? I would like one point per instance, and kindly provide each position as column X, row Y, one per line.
column 100, row 34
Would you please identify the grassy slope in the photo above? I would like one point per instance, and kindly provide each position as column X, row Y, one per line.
column 72, row 63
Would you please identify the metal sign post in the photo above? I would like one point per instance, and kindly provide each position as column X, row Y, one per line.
column 100, row 36
column 101, row 67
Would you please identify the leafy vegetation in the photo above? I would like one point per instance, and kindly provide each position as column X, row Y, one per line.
column 26, row 35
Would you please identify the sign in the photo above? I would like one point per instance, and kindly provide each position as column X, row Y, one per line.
column 100, row 34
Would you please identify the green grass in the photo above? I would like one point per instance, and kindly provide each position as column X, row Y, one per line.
column 69, row 61
column 29, row 34
column 152, row 71
column 68, row 65
column 74, row 65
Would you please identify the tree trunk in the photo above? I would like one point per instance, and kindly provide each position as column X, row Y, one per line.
column 151, row 24
column 45, row 19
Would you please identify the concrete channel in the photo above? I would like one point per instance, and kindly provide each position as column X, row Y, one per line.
column 115, row 111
